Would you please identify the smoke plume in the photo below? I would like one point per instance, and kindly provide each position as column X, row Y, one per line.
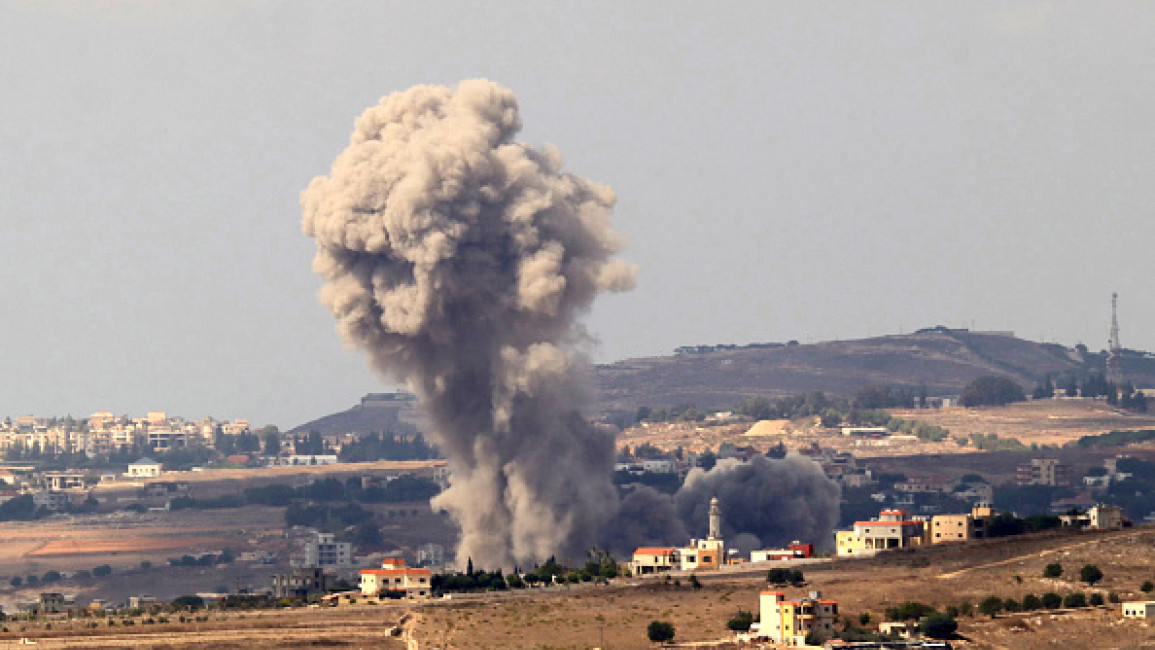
column 459, row 260
column 646, row 518
column 775, row 500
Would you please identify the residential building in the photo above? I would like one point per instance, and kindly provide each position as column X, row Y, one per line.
column 1104, row 517
column 795, row 550
column 411, row 583
column 308, row 583
column 51, row 500
column 1043, row 471
column 789, row 622
column 326, row 551
column 430, row 555
column 63, row 480
column 1139, row 609
column 959, row 527
column 924, row 485
column 144, row 468
column 658, row 465
column 654, row 559
column 893, row 529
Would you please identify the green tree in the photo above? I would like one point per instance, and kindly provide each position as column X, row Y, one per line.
column 741, row 621
column 1053, row 570
column 101, row 571
column 908, row 611
column 991, row 390
column 50, row 576
column 938, row 626
column 16, row 581
column 1075, row 600
column 1031, row 602
column 660, row 631
column 1051, row 600
column 189, row 602
column 864, row 618
column 991, row 606
column 1147, row 586
column 1090, row 574
column 272, row 440
column 1096, row 600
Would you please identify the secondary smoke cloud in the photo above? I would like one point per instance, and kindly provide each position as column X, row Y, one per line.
column 776, row 500
column 765, row 503
column 459, row 260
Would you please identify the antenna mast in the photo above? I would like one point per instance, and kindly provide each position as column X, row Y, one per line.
column 1114, row 349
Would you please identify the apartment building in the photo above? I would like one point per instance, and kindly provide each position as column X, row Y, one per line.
column 892, row 529
column 1043, row 471
column 789, row 622
column 412, row 583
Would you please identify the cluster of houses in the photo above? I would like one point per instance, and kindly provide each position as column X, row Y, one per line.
column 895, row 528
column 106, row 433
column 707, row 553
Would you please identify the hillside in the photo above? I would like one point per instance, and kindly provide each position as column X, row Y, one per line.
column 377, row 412
column 941, row 359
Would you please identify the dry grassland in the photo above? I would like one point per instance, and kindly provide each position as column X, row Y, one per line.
column 1043, row 422
column 616, row 616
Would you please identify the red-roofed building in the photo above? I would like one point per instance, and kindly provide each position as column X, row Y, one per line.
column 892, row 529
column 414, row 583
column 654, row 559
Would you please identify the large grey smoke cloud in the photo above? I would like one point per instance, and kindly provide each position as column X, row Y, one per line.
column 765, row 503
column 459, row 260
column 776, row 500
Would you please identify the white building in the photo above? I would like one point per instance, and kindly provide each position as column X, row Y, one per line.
column 1103, row 517
column 1139, row 609
column 144, row 468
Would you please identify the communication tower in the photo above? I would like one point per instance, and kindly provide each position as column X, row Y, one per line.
column 1114, row 348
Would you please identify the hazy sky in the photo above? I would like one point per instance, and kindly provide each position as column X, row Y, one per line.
column 798, row 170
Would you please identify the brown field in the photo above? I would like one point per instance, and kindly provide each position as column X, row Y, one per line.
column 615, row 616
column 60, row 547
column 1042, row 422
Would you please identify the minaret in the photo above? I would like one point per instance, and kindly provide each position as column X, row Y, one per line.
column 715, row 520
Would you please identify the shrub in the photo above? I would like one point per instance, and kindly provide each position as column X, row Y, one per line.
column 1032, row 602
column 1090, row 574
column 1053, row 570
column 864, row 618
column 660, row 631
column 909, row 610
column 991, row 606
column 1051, row 600
column 741, row 621
column 1147, row 587
column 1075, row 600
column 1112, row 597
column 938, row 626
column 1012, row 605
column 1096, row 600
